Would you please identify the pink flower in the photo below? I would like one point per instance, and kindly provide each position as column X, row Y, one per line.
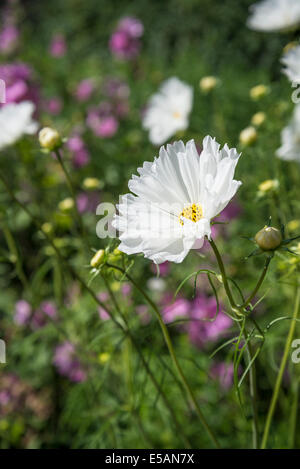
column 67, row 363
column 8, row 38
column 163, row 268
column 103, row 296
column 84, row 90
column 103, row 126
column 22, row 312
column 19, row 83
column 125, row 40
column 87, row 201
column 58, row 46
column 79, row 153
column 175, row 309
column 54, row 106
column 223, row 372
column 199, row 328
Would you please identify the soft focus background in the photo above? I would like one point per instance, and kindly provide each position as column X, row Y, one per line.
column 72, row 379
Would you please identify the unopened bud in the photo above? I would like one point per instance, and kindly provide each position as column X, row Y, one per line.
column 269, row 238
column 258, row 92
column 258, row 119
column 66, row 205
column 248, row 135
column 208, row 83
column 92, row 183
column 49, row 138
column 97, row 259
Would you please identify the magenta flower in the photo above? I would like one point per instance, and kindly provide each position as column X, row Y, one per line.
column 173, row 310
column 19, row 83
column 103, row 296
column 223, row 372
column 54, row 106
column 22, row 312
column 102, row 125
column 201, row 330
column 87, row 201
column 84, row 90
column 8, row 38
column 47, row 310
column 67, row 363
column 79, row 152
column 125, row 40
column 58, row 46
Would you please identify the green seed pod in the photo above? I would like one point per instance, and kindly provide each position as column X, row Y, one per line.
column 269, row 238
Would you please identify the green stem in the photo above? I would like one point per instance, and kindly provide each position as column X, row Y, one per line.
column 286, row 352
column 15, row 254
column 259, row 283
column 223, row 274
column 172, row 354
column 253, row 393
column 252, row 371
column 72, row 192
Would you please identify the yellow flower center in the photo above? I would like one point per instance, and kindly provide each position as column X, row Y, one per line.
column 193, row 212
column 176, row 114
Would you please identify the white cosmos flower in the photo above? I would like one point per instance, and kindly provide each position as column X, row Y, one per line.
column 290, row 138
column 291, row 60
column 176, row 197
column 168, row 110
column 15, row 121
column 274, row 15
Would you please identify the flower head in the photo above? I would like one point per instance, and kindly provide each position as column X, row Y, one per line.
column 49, row 138
column 125, row 40
column 16, row 121
column 291, row 60
column 290, row 138
column 274, row 15
column 168, row 110
column 176, row 198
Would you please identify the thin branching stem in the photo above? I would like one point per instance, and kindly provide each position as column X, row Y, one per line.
column 172, row 354
column 284, row 359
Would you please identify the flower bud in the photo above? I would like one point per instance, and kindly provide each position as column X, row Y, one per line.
column 293, row 225
column 258, row 92
column 47, row 227
column 208, row 83
column 269, row 238
column 258, row 119
column 49, row 138
column 269, row 185
column 248, row 135
column 92, row 183
column 97, row 259
column 66, row 205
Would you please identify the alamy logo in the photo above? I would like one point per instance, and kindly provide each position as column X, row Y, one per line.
column 2, row 351
column 296, row 353
column 2, row 91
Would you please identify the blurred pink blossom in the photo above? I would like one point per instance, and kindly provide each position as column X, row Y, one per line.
column 223, row 372
column 125, row 43
column 58, row 46
column 84, row 89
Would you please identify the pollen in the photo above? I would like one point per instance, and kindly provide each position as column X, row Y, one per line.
column 176, row 114
column 192, row 212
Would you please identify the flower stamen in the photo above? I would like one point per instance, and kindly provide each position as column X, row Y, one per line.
column 192, row 212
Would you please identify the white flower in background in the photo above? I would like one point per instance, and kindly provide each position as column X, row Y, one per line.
column 274, row 15
column 168, row 110
column 15, row 121
column 291, row 60
column 290, row 139
column 176, row 198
